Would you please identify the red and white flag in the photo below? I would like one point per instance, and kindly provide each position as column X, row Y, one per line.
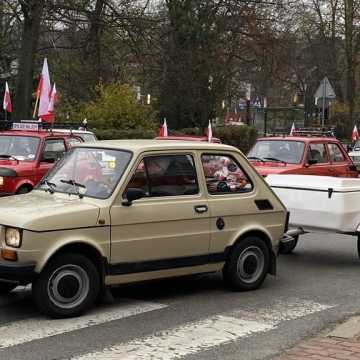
column 53, row 101
column 354, row 134
column 44, row 90
column 292, row 129
column 209, row 132
column 7, row 106
column 163, row 130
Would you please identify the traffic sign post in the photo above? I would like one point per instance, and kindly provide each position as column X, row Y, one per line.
column 324, row 94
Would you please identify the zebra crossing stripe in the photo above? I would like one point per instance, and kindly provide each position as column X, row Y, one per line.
column 202, row 335
column 23, row 331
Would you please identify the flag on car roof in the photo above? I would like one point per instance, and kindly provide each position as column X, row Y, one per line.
column 292, row 128
column 163, row 130
column 44, row 89
column 355, row 134
column 7, row 106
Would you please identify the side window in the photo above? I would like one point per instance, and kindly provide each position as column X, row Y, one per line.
column 224, row 175
column 168, row 175
column 54, row 149
column 335, row 153
column 318, row 153
column 139, row 179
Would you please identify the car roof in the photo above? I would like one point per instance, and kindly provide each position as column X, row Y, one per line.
column 136, row 145
column 34, row 133
column 299, row 138
column 187, row 138
column 77, row 131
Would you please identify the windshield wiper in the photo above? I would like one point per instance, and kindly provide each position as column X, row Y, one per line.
column 76, row 185
column 50, row 186
column 255, row 158
column 274, row 159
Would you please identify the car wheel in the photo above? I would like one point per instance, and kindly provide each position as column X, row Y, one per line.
column 68, row 286
column 6, row 287
column 23, row 190
column 248, row 264
column 289, row 246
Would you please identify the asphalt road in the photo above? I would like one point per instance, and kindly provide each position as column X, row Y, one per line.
column 196, row 317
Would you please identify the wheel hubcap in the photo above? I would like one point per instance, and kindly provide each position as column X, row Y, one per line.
column 251, row 264
column 68, row 286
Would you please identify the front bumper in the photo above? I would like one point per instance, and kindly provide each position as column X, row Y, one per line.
column 22, row 273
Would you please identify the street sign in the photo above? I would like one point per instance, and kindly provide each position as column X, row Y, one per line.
column 325, row 90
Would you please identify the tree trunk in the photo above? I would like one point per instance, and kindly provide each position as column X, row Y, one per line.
column 32, row 11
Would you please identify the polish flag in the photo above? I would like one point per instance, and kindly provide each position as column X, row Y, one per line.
column 163, row 130
column 7, row 106
column 292, row 129
column 354, row 134
column 209, row 132
column 53, row 101
column 44, row 90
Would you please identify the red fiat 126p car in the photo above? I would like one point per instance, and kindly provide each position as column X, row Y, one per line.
column 27, row 153
column 304, row 153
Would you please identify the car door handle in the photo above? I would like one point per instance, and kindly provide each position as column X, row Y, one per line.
column 201, row 209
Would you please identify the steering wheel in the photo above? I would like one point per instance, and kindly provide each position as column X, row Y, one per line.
column 97, row 188
column 222, row 186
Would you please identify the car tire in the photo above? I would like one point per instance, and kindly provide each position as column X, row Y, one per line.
column 68, row 286
column 247, row 265
column 6, row 287
column 23, row 190
column 289, row 246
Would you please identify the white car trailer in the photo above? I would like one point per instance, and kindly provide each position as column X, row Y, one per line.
column 318, row 204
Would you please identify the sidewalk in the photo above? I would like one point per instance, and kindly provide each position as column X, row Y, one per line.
column 343, row 343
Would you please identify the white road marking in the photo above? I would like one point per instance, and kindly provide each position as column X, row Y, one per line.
column 198, row 336
column 23, row 331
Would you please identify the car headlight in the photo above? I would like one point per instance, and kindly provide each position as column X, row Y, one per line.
column 13, row 237
column 1, row 180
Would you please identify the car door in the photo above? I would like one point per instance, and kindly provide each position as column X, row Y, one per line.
column 317, row 160
column 53, row 149
column 167, row 228
column 339, row 164
column 231, row 200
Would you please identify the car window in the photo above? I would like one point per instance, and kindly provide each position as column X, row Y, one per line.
column 54, row 149
column 318, row 153
column 73, row 141
column 224, row 175
column 23, row 148
column 335, row 153
column 168, row 175
column 277, row 150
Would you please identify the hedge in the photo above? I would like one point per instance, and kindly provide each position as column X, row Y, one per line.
column 242, row 137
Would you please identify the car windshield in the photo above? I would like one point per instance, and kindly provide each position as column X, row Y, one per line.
column 277, row 151
column 87, row 137
column 19, row 147
column 92, row 172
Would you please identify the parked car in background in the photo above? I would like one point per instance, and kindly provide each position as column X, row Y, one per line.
column 301, row 153
column 27, row 154
column 87, row 136
column 354, row 154
column 189, row 138
column 197, row 208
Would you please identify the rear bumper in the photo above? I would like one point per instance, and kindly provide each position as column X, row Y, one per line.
column 21, row 273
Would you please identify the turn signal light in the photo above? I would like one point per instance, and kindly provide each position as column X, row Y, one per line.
column 9, row 255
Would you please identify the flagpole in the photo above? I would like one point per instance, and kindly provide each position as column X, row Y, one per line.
column 36, row 104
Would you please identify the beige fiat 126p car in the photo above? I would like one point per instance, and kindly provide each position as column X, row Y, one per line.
column 153, row 209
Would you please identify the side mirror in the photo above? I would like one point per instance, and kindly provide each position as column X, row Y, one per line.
column 133, row 194
column 312, row 162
